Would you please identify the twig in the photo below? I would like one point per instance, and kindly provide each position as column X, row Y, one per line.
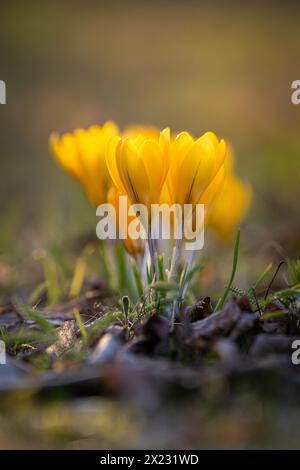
column 273, row 279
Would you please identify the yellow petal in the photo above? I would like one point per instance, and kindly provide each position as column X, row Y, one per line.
column 135, row 173
column 111, row 161
column 212, row 191
column 155, row 167
column 211, row 161
column 65, row 151
column 179, row 149
column 230, row 207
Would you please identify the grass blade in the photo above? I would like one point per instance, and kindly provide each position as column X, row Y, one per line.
column 121, row 267
column 80, row 324
column 161, row 268
column 189, row 276
column 53, row 285
column 262, row 276
column 125, row 304
column 162, row 286
column 137, row 278
column 222, row 300
column 38, row 317
column 104, row 322
column 37, row 292
column 78, row 277
column 294, row 271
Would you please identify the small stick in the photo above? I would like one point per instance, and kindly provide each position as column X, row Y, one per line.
column 273, row 278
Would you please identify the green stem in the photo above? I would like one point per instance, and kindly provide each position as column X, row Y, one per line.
column 153, row 254
column 137, row 277
column 184, row 286
column 176, row 257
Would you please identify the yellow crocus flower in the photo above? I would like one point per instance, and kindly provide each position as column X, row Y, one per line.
column 231, row 205
column 196, row 175
column 138, row 166
column 82, row 154
column 194, row 166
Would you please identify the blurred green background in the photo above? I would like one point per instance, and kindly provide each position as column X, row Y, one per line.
column 197, row 66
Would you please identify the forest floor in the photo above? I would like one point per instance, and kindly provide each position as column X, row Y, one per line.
column 103, row 379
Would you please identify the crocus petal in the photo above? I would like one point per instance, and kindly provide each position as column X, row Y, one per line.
column 179, row 149
column 82, row 154
column 133, row 173
column 64, row 149
column 154, row 164
column 111, row 161
column 211, row 161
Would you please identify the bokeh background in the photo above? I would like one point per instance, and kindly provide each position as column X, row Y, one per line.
column 222, row 66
